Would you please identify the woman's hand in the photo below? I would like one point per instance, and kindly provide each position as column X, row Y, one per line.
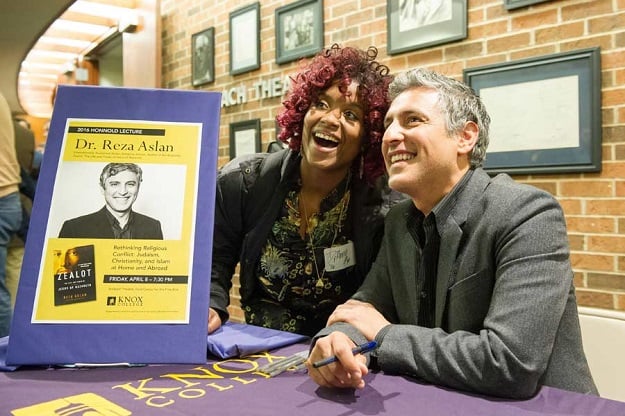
column 214, row 321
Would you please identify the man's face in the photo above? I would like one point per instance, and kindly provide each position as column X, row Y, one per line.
column 121, row 190
column 419, row 154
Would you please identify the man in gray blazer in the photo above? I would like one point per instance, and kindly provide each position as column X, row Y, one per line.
column 472, row 287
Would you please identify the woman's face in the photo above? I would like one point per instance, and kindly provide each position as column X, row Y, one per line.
column 333, row 129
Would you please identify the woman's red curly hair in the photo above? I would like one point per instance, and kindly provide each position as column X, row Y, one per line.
column 342, row 65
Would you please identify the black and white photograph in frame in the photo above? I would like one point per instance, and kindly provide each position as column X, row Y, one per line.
column 515, row 4
column 419, row 13
column 203, row 58
column 245, row 39
column 299, row 30
column 565, row 87
column 244, row 137
column 416, row 24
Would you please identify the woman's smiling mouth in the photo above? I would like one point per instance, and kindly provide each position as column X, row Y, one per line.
column 325, row 140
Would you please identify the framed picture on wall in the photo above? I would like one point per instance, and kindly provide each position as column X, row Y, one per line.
column 560, row 96
column 418, row 24
column 299, row 30
column 245, row 39
column 515, row 4
column 203, row 57
column 244, row 137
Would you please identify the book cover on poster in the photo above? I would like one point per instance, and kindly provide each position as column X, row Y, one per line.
column 117, row 262
column 74, row 275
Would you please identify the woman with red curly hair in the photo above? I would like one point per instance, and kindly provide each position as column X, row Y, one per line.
column 305, row 223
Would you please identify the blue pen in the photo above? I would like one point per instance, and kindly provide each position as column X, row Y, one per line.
column 360, row 349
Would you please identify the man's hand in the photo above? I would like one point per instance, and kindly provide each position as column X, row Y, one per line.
column 214, row 321
column 362, row 315
column 348, row 371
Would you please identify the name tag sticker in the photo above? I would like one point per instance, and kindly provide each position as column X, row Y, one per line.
column 339, row 257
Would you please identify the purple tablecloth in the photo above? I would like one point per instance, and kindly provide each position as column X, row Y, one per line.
column 235, row 387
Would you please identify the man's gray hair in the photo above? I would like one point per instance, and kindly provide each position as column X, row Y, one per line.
column 113, row 169
column 457, row 101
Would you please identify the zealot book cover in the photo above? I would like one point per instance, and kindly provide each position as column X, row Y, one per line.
column 74, row 275
column 117, row 262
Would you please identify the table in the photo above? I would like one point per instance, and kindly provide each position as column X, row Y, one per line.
column 235, row 387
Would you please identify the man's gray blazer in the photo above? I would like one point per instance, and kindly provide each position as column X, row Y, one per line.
column 506, row 316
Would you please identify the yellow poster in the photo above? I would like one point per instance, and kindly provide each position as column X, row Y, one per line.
column 119, row 240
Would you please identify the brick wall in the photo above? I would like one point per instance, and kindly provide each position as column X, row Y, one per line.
column 594, row 203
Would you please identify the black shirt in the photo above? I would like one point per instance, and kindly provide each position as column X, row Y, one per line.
column 426, row 233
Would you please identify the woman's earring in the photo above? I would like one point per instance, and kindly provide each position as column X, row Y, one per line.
column 362, row 164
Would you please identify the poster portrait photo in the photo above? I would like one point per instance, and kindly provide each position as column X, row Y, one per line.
column 79, row 197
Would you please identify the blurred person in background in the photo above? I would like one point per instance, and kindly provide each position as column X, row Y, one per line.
column 10, row 206
column 25, row 149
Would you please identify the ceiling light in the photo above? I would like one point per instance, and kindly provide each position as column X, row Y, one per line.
column 80, row 27
column 46, row 54
column 50, row 40
column 28, row 66
column 83, row 27
column 98, row 9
